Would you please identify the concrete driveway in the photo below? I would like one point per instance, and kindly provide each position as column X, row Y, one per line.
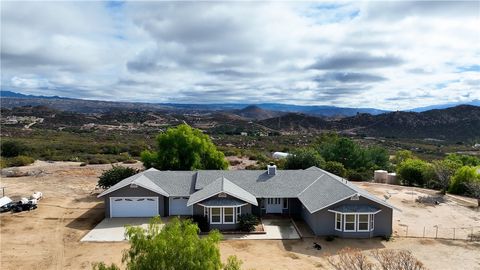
column 113, row 229
column 276, row 229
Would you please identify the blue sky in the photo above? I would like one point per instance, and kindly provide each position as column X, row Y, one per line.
column 388, row 55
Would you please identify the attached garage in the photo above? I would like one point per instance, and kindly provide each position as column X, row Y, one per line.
column 178, row 206
column 133, row 206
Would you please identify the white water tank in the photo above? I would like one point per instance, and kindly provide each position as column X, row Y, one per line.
column 392, row 179
column 380, row 176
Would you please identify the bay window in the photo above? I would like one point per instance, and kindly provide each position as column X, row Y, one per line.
column 228, row 215
column 363, row 223
column 349, row 225
column 338, row 221
column 351, row 222
column 216, row 216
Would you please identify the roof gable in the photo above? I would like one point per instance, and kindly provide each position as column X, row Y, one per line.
column 222, row 185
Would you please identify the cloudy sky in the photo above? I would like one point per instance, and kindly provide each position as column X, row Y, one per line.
column 388, row 55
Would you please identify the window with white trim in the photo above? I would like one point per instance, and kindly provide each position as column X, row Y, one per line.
column 349, row 225
column 216, row 215
column 239, row 213
column 338, row 221
column 228, row 215
column 371, row 222
column 363, row 222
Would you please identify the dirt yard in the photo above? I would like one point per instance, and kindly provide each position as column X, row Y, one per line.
column 48, row 237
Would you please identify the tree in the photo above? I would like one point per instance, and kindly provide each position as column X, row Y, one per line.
column 462, row 177
column 402, row 155
column 303, row 159
column 415, row 171
column 11, row 149
column 386, row 259
column 350, row 259
column 464, row 160
column 397, row 260
column 184, row 148
column 336, row 168
column 115, row 175
column 176, row 245
column 444, row 169
column 473, row 189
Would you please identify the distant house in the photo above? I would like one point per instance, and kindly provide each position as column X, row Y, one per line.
column 243, row 133
column 329, row 204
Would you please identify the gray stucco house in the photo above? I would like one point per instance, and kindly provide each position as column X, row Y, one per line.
column 329, row 204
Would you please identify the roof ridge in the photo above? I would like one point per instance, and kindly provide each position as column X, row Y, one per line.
column 298, row 195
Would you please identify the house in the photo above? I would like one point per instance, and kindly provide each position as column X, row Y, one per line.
column 329, row 204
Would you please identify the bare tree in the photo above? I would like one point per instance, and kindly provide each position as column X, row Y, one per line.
column 390, row 259
column 350, row 259
column 473, row 189
column 444, row 169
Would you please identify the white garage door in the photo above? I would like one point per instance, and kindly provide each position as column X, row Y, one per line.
column 178, row 206
column 133, row 206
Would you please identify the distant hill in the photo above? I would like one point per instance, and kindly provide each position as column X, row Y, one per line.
column 256, row 113
column 11, row 99
column 475, row 102
column 457, row 123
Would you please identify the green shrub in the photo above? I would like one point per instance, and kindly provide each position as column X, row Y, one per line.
column 336, row 168
column 20, row 161
column 462, row 177
column 11, row 149
column 354, row 175
column 3, row 163
column 303, row 159
column 248, row 222
column 415, row 172
column 115, row 175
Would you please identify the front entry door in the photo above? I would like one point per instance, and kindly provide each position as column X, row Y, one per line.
column 274, row 205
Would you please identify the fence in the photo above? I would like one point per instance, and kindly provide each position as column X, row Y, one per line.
column 438, row 232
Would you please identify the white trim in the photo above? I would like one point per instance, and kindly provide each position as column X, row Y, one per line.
column 354, row 223
column 355, row 213
column 358, row 223
column 206, row 206
column 341, row 222
column 115, row 188
column 233, row 215
column 238, row 213
column 372, row 224
column 136, row 197
column 211, row 215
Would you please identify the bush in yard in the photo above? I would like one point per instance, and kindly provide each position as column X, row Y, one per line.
column 415, row 172
column 336, row 168
column 11, row 149
column 247, row 222
column 462, row 177
column 202, row 222
column 115, row 175
column 20, row 161
column 176, row 245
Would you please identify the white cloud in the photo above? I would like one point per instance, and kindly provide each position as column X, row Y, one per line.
column 384, row 55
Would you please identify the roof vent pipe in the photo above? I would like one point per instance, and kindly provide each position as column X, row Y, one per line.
column 271, row 169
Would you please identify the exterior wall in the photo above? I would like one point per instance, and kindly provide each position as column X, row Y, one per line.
column 127, row 191
column 323, row 222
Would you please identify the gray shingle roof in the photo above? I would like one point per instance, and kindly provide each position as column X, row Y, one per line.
column 314, row 187
column 220, row 185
